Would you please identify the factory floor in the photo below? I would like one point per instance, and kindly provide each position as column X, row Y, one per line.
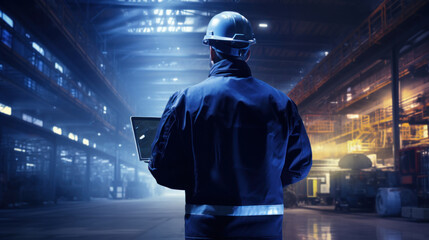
column 162, row 218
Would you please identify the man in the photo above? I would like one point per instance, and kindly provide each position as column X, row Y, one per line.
column 232, row 142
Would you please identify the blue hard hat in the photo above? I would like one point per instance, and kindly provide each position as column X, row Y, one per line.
column 230, row 27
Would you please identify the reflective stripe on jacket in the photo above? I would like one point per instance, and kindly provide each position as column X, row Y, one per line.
column 232, row 142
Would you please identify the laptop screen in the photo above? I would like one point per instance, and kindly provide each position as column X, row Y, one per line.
column 144, row 129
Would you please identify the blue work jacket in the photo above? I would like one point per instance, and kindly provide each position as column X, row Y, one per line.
column 232, row 142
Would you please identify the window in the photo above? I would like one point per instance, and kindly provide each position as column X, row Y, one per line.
column 27, row 118
column 37, row 122
column 37, row 62
column 6, row 19
column 30, row 83
column 75, row 93
column 58, row 67
column 6, row 38
column 32, row 120
column 38, row 48
column 60, row 81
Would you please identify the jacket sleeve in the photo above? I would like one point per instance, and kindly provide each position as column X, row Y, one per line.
column 298, row 153
column 167, row 164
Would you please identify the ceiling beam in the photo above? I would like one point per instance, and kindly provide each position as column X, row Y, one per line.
column 349, row 14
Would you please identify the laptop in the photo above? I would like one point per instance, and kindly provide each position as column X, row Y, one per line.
column 144, row 129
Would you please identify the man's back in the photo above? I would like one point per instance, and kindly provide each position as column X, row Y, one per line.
column 238, row 139
column 227, row 140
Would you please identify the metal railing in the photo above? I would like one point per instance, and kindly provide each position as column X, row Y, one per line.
column 382, row 20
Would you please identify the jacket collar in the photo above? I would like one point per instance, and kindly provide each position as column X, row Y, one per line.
column 230, row 68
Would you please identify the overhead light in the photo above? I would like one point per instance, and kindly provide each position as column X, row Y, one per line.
column 352, row 116
column 38, row 48
column 187, row 29
column 175, row 79
column 73, row 137
column 263, row 25
column 168, row 11
column 326, row 53
column 18, row 150
column 85, row 142
column 190, row 21
column 5, row 109
column 57, row 130
column 170, row 20
column 178, row 48
column 66, row 159
column 58, row 67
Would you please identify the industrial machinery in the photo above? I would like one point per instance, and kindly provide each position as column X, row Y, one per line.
column 414, row 172
column 355, row 187
column 410, row 197
column 390, row 192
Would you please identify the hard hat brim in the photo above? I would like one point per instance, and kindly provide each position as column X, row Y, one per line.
column 207, row 39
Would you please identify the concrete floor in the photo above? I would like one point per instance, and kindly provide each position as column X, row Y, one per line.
column 162, row 218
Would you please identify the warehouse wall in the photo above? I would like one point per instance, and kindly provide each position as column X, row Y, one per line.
column 60, row 138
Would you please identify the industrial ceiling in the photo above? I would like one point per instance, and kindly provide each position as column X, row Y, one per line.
column 157, row 44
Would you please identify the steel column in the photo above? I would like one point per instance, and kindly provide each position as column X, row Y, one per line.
column 395, row 105
column 3, row 172
column 87, row 194
column 117, row 173
column 52, row 172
